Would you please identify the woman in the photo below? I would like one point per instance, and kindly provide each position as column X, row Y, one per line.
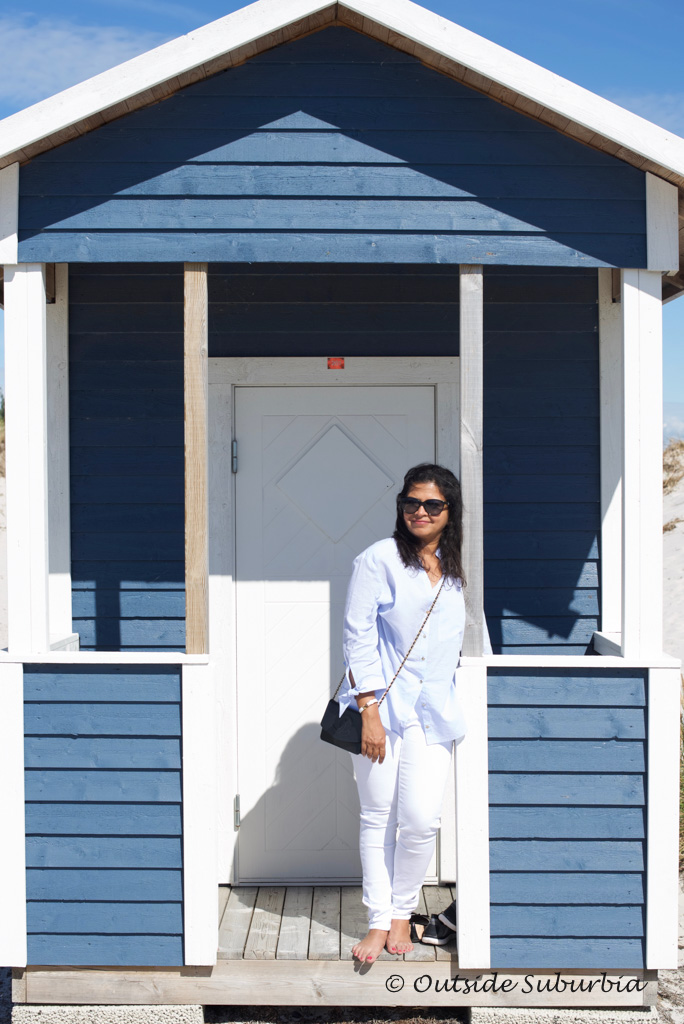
column 407, row 738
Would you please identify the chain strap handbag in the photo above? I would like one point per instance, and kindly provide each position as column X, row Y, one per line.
column 344, row 730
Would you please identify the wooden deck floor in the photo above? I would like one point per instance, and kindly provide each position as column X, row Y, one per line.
column 298, row 922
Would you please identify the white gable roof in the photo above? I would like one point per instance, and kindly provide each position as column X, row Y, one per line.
column 440, row 43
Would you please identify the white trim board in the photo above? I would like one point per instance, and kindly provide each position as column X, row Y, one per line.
column 224, row 375
column 103, row 658
column 13, row 847
column 449, row 47
column 662, row 224
column 611, row 373
column 9, row 214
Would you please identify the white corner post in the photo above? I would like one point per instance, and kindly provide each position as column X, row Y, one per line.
column 612, row 442
column 9, row 214
column 59, row 528
column 26, row 459
column 642, row 489
column 13, row 848
column 470, row 358
column 662, row 878
column 196, row 397
column 200, row 862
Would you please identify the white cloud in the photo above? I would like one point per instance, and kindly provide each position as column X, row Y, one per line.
column 39, row 57
column 665, row 109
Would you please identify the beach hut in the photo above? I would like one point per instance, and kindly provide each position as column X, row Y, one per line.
column 249, row 278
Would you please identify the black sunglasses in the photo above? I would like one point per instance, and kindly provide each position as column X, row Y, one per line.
column 433, row 506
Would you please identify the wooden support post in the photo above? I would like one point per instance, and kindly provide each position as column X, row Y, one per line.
column 642, row 525
column 470, row 348
column 59, row 524
column 27, row 479
column 612, row 442
column 196, row 461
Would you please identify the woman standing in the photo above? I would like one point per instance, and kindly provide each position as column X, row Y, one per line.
column 407, row 738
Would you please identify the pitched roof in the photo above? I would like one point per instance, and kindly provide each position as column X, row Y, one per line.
column 439, row 43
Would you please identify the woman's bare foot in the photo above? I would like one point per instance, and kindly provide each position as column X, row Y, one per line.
column 372, row 946
column 399, row 937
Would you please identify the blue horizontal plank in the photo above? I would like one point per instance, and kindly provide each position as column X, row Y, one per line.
column 104, row 918
column 547, row 216
column 529, row 402
column 95, row 644
column 103, row 785
column 103, row 546
column 142, row 633
column 542, row 372
column 565, row 249
column 569, row 489
column 154, row 462
column 103, row 852
column 141, row 517
column 154, row 373
column 566, row 887
column 547, row 822
column 587, row 789
column 115, row 574
column 102, row 683
column 566, row 755
column 518, row 575
column 531, row 650
column 567, row 722
column 543, row 631
column 565, row 855
column 528, row 288
column 417, row 181
column 131, row 603
column 106, row 950
column 133, row 884
column 109, row 404
column 114, row 345
column 319, row 343
column 564, row 686
column 81, row 719
column 556, row 954
column 103, row 819
column 500, row 517
column 101, row 752
column 134, row 431
column 503, row 320
column 513, row 602
column 120, row 490
column 340, row 44
column 549, row 544
column 320, row 144
column 567, row 341
column 594, row 921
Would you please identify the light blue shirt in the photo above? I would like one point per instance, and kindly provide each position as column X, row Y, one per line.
column 386, row 603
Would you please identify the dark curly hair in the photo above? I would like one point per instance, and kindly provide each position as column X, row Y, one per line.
column 451, row 541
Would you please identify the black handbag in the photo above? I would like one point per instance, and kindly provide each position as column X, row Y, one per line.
column 344, row 730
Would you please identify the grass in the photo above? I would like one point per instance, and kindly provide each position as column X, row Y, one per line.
column 673, row 464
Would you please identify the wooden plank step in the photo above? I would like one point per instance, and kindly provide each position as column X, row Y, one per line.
column 293, row 941
column 420, row 953
column 262, row 939
column 437, row 899
column 235, row 922
column 324, row 940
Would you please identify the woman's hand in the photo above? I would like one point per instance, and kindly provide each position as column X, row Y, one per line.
column 372, row 735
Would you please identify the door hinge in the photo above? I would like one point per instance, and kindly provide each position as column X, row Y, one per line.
column 233, row 464
column 236, row 811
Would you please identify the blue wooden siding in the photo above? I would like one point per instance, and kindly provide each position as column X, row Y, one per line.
column 567, row 785
column 331, row 148
column 126, row 438
column 541, row 459
column 103, row 814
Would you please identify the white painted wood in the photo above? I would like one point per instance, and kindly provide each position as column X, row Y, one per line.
column 195, row 347
column 642, row 538
column 662, row 224
column 472, row 820
column 200, row 875
column 608, row 643
column 70, row 642
column 470, row 352
column 9, row 213
column 662, row 881
column 59, row 520
column 612, row 443
column 26, row 438
column 12, row 849
column 336, row 983
column 56, row 657
column 302, row 452
column 224, row 375
column 446, row 844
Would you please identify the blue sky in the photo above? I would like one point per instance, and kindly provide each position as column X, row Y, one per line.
column 626, row 50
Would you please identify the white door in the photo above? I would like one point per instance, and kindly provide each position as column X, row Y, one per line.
column 318, row 473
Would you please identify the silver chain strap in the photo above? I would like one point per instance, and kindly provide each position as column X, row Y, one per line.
column 406, row 656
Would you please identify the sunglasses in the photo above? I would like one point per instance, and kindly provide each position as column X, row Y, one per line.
column 433, row 506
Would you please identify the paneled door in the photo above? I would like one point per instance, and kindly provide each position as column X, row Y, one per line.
column 319, row 468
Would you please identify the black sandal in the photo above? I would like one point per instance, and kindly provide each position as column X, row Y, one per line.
column 418, row 924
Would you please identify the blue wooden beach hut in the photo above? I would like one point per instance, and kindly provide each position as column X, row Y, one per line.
column 249, row 278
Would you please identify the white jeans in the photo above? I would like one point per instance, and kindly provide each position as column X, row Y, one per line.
column 401, row 800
